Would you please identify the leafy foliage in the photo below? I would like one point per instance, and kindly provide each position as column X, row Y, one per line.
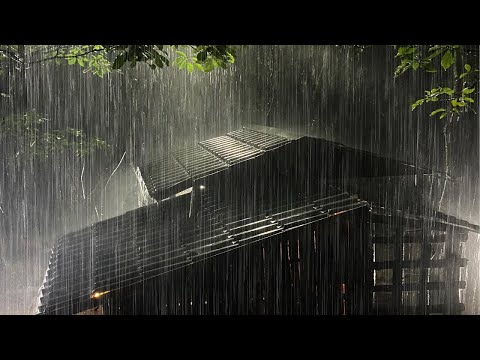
column 33, row 135
column 32, row 132
column 92, row 58
column 191, row 57
column 155, row 56
column 414, row 57
column 101, row 59
column 454, row 99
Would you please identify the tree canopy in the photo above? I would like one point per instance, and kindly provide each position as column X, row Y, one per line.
column 453, row 92
column 30, row 129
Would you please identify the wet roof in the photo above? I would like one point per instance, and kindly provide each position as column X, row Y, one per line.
column 182, row 230
column 180, row 169
column 175, row 172
column 159, row 238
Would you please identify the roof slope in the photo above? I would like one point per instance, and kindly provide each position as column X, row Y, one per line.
column 247, row 187
column 155, row 239
column 179, row 170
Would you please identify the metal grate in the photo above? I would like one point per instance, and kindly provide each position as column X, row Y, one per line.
column 257, row 139
column 198, row 162
column 163, row 174
column 168, row 175
column 230, row 150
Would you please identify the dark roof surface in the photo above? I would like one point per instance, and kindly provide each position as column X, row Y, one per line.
column 272, row 186
column 175, row 172
column 178, row 170
column 155, row 239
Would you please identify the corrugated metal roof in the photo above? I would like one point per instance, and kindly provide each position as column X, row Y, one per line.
column 259, row 140
column 149, row 241
column 230, row 150
column 155, row 239
column 199, row 162
column 164, row 177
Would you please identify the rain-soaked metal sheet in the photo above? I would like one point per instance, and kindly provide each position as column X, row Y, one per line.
column 147, row 242
column 159, row 238
column 165, row 177
column 260, row 140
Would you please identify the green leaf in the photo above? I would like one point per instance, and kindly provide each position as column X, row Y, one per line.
column 98, row 47
column 462, row 75
column 405, row 50
column 410, row 50
column 436, row 47
column 443, row 115
column 468, row 99
column 189, row 67
column 447, row 91
column 437, row 111
column 198, row 66
column 181, row 53
column 401, row 50
column 404, row 66
column 72, row 61
column 80, row 62
column 417, row 103
column 468, row 90
column 433, row 55
column 415, row 65
column 181, row 63
column 447, row 60
column 468, row 67
column 454, row 102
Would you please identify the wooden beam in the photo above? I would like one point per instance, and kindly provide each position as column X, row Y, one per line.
column 460, row 262
column 415, row 286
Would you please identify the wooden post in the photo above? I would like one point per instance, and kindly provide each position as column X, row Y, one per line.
column 397, row 268
column 426, row 249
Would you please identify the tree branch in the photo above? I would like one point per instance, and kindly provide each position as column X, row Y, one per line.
column 67, row 56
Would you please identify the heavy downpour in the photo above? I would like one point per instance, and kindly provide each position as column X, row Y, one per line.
column 239, row 179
